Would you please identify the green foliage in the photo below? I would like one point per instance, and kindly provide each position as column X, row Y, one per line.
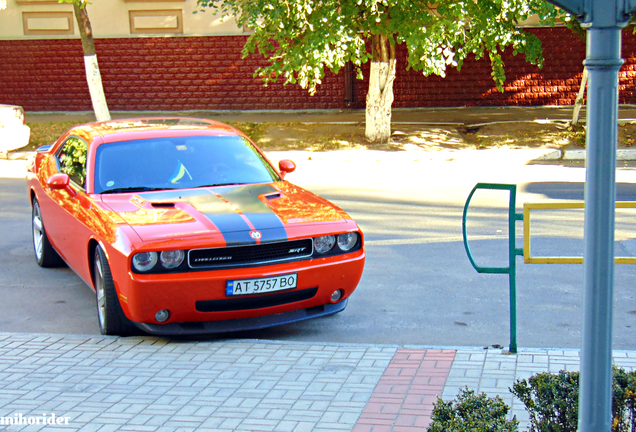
column 73, row 160
column 81, row 3
column 624, row 401
column 552, row 400
column 471, row 413
column 302, row 38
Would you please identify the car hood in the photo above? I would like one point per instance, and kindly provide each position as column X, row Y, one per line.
column 245, row 214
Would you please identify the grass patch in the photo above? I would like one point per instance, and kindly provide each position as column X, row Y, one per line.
column 256, row 131
column 626, row 135
column 47, row 133
column 576, row 135
column 325, row 137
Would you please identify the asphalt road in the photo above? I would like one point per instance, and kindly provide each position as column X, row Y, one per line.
column 418, row 287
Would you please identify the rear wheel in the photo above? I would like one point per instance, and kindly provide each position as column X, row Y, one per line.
column 112, row 320
column 45, row 255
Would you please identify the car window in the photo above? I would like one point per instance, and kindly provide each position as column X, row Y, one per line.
column 179, row 162
column 72, row 160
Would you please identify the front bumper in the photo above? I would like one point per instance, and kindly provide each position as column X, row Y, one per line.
column 198, row 303
column 256, row 323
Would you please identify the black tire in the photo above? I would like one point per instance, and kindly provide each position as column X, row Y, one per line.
column 45, row 255
column 112, row 320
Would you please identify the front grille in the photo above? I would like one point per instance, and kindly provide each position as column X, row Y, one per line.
column 250, row 255
column 261, row 302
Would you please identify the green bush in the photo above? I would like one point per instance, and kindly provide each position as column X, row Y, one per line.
column 624, row 401
column 552, row 400
column 472, row 413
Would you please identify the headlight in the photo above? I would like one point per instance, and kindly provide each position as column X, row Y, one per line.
column 324, row 244
column 347, row 241
column 145, row 261
column 171, row 259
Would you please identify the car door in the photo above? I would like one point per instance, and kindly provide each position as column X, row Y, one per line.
column 72, row 212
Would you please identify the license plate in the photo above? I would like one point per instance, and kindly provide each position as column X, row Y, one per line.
column 261, row 285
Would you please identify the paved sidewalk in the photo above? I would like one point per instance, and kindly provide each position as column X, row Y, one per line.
column 102, row 383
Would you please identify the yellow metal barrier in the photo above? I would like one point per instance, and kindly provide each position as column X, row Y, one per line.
column 528, row 259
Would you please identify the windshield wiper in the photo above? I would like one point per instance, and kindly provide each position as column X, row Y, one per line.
column 220, row 184
column 134, row 189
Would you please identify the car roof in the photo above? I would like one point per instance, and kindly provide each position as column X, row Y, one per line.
column 152, row 127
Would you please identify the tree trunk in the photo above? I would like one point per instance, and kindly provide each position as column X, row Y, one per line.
column 380, row 95
column 579, row 99
column 93, row 77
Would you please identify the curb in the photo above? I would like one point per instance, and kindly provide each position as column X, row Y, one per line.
column 579, row 155
column 135, row 340
column 18, row 155
column 554, row 155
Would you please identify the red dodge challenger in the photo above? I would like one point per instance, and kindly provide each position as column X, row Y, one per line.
column 182, row 226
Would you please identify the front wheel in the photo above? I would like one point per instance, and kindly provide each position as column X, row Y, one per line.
column 112, row 320
column 45, row 255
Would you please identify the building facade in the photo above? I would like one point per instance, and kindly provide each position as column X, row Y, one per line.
column 161, row 55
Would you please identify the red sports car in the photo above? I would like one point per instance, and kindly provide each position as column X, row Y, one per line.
column 182, row 226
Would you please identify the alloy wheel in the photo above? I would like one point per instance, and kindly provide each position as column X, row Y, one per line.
column 99, row 290
column 38, row 231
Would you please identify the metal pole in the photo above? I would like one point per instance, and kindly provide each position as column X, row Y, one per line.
column 603, row 62
column 512, row 260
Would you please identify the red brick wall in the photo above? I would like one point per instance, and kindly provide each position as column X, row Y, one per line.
column 208, row 73
column 149, row 74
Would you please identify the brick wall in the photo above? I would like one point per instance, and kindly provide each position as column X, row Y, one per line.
column 149, row 74
column 183, row 73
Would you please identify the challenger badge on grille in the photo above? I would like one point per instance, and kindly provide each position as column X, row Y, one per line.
column 251, row 254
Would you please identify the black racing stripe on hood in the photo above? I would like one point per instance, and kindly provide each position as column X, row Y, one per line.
column 260, row 215
column 235, row 230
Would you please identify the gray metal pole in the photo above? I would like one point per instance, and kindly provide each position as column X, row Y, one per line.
column 603, row 62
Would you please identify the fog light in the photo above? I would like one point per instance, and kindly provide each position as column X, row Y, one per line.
column 163, row 315
column 337, row 295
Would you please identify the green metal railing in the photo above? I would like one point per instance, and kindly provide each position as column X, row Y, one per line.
column 513, row 251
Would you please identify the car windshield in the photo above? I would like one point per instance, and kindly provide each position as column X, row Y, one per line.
column 177, row 163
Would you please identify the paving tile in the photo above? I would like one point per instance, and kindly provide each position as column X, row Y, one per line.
column 413, row 375
column 286, row 426
column 148, row 384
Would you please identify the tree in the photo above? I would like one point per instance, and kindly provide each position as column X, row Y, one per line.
column 302, row 38
column 574, row 25
column 578, row 103
column 93, row 76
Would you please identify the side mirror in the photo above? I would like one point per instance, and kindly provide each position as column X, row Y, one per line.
column 60, row 182
column 286, row 166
